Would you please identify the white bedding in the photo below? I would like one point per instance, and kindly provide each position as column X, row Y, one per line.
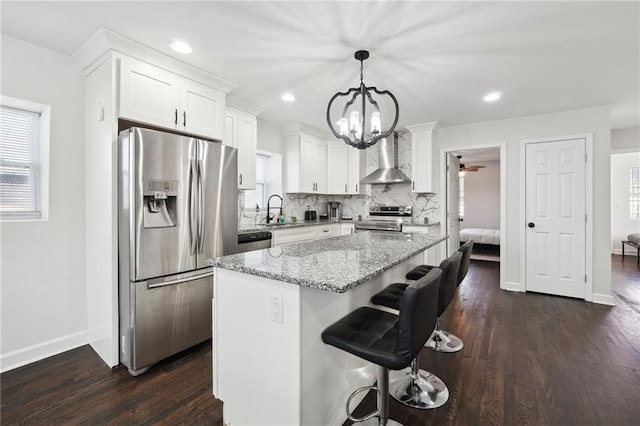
column 480, row 235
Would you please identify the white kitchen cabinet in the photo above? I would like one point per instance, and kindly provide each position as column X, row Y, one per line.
column 343, row 168
column 337, row 167
column 423, row 156
column 305, row 157
column 149, row 94
column 304, row 233
column 432, row 256
column 347, row 228
column 241, row 132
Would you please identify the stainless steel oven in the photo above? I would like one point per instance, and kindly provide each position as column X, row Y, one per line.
column 385, row 218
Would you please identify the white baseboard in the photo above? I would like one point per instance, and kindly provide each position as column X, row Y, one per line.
column 603, row 299
column 24, row 356
column 628, row 251
column 513, row 286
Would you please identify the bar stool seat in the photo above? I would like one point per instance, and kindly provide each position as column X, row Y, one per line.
column 390, row 341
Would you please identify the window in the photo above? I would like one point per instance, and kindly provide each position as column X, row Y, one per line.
column 24, row 159
column 461, row 192
column 267, row 181
column 634, row 193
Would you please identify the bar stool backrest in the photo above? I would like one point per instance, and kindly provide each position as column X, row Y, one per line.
column 450, row 267
column 465, row 249
column 418, row 314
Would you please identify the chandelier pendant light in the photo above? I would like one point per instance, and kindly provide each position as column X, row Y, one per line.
column 354, row 125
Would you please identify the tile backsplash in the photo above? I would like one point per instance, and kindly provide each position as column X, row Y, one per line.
column 294, row 205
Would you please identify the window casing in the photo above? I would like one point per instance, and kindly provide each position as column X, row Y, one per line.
column 24, row 149
column 634, row 192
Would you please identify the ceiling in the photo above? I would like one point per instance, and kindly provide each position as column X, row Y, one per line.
column 438, row 58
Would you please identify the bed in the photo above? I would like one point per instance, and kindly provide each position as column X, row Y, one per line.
column 480, row 236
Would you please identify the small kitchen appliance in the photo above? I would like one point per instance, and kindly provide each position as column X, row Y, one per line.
column 334, row 210
column 310, row 216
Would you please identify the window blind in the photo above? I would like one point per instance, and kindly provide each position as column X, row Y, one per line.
column 19, row 163
column 634, row 193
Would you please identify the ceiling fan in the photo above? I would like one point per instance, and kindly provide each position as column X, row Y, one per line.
column 469, row 168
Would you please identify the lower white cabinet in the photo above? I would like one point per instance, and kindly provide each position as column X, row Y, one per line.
column 303, row 233
column 347, row 228
column 432, row 256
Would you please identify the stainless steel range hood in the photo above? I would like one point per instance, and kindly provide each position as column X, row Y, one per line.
column 388, row 171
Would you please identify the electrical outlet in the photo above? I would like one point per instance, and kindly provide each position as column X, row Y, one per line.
column 276, row 309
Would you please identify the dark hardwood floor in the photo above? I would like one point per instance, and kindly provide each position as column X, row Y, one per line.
column 529, row 359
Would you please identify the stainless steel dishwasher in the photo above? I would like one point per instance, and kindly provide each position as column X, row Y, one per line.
column 250, row 241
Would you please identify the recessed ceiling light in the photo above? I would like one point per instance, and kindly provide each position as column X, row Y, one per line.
column 288, row 97
column 493, row 96
column 180, row 47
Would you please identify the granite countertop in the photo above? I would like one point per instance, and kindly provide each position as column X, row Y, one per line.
column 336, row 264
column 243, row 229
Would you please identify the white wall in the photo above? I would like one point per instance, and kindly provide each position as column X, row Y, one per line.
column 482, row 196
column 621, row 224
column 623, row 140
column 43, row 293
column 513, row 131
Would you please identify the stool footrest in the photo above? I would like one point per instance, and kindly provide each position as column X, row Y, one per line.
column 368, row 416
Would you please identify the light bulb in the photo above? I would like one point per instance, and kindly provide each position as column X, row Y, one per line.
column 354, row 121
column 375, row 123
column 344, row 126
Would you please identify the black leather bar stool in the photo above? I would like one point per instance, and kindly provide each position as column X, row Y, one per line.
column 387, row 340
column 414, row 387
column 441, row 340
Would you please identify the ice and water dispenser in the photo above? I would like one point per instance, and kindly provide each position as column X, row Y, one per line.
column 160, row 203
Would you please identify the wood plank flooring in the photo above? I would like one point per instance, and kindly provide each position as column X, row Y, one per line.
column 529, row 359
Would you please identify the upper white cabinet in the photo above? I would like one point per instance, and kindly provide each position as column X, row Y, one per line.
column 241, row 131
column 423, row 156
column 305, row 157
column 149, row 94
column 343, row 168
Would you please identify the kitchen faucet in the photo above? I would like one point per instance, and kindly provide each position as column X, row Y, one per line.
column 270, row 218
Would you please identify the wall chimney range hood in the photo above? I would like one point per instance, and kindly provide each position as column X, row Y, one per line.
column 388, row 171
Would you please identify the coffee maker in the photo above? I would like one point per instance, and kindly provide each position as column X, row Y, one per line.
column 334, row 210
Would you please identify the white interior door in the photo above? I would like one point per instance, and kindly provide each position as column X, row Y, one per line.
column 556, row 217
column 453, row 203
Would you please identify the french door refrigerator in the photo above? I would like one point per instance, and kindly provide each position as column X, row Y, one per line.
column 177, row 211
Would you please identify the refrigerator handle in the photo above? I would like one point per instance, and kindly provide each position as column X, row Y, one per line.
column 193, row 223
column 201, row 209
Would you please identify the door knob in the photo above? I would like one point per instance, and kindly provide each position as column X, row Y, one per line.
column 531, row 224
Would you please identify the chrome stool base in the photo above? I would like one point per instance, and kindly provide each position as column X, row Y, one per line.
column 443, row 341
column 375, row 421
column 418, row 388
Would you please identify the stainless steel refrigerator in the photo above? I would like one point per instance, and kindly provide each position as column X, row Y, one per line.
column 177, row 211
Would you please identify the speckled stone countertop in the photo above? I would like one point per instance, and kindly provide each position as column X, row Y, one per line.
column 336, row 264
column 242, row 229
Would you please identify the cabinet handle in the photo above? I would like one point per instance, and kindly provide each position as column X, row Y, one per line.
column 413, row 185
column 356, row 187
column 345, row 187
column 175, row 120
column 240, row 178
column 184, row 118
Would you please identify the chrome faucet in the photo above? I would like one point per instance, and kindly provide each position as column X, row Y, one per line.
column 270, row 218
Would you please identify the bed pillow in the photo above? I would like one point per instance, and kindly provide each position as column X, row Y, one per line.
column 634, row 238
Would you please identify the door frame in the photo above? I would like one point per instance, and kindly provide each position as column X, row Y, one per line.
column 588, row 137
column 444, row 181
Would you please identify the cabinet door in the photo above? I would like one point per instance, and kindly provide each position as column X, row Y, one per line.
column 337, row 167
column 247, row 141
column 148, row 94
column 308, row 164
column 290, row 236
column 319, row 159
column 353, row 178
column 230, row 128
column 422, row 162
column 202, row 110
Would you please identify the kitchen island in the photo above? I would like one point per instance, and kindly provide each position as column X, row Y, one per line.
column 270, row 366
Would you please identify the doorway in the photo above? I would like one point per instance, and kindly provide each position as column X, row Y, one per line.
column 475, row 192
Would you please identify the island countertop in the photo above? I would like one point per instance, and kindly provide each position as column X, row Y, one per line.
column 336, row 264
